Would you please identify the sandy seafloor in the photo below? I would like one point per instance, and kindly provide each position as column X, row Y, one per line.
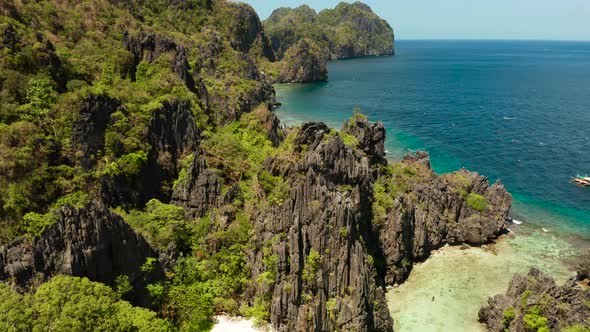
column 445, row 292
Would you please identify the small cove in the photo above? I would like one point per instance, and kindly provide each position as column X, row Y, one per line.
column 515, row 111
column 445, row 292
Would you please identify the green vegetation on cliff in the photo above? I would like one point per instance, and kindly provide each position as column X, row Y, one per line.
column 348, row 30
column 140, row 132
column 94, row 98
column 72, row 69
column 303, row 62
column 74, row 304
column 535, row 303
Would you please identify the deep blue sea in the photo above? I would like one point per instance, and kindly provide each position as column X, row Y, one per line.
column 518, row 111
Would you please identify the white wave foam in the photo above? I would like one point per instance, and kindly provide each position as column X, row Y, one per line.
column 545, row 230
column 517, row 222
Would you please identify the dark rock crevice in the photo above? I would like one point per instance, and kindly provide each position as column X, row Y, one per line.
column 331, row 282
column 88, row 242
column 147, row 46
column 89, row 128
column 199, row 191
column 172, row 134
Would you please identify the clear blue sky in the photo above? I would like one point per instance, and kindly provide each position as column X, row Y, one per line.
column 469, row 19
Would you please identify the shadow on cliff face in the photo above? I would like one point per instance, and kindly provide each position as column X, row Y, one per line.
column 91, row 242
column 427, row 211
column 335, row 254
column 350, row 225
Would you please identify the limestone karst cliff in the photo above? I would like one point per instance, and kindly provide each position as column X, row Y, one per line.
column 426, row 211
column 534, row 302
column 346, row 31
column 303, row 39
column 332, row 257
column 303, row 63
column 141, row 133
column 90, row 242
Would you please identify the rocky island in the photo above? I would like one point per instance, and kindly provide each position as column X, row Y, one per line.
column 304, row 40
column 346, row 31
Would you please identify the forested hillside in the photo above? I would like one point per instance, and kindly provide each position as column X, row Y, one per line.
column 75, row 70
column 348, row 30
column 141, row 164
column 108, row 102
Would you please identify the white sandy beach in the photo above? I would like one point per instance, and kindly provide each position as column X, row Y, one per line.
column 446, row 291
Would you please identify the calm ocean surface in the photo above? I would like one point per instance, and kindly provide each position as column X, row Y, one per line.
column 518, row 111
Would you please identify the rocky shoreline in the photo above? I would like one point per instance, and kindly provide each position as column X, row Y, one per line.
column 331, row 253
column 535, row 302
column 164, row 174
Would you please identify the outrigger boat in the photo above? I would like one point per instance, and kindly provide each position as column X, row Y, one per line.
column 583, row 181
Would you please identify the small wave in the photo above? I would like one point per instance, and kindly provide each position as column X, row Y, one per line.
column 542, row 143
column 517, row 222
column 386, row 151
column 509, row 118
column 545, row 230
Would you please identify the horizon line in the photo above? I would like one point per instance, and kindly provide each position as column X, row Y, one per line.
column 493, row 39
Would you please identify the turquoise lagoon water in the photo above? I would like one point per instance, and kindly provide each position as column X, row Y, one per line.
column 514, row 111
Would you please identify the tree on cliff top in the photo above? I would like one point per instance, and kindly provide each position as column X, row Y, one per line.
column 73, row 304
